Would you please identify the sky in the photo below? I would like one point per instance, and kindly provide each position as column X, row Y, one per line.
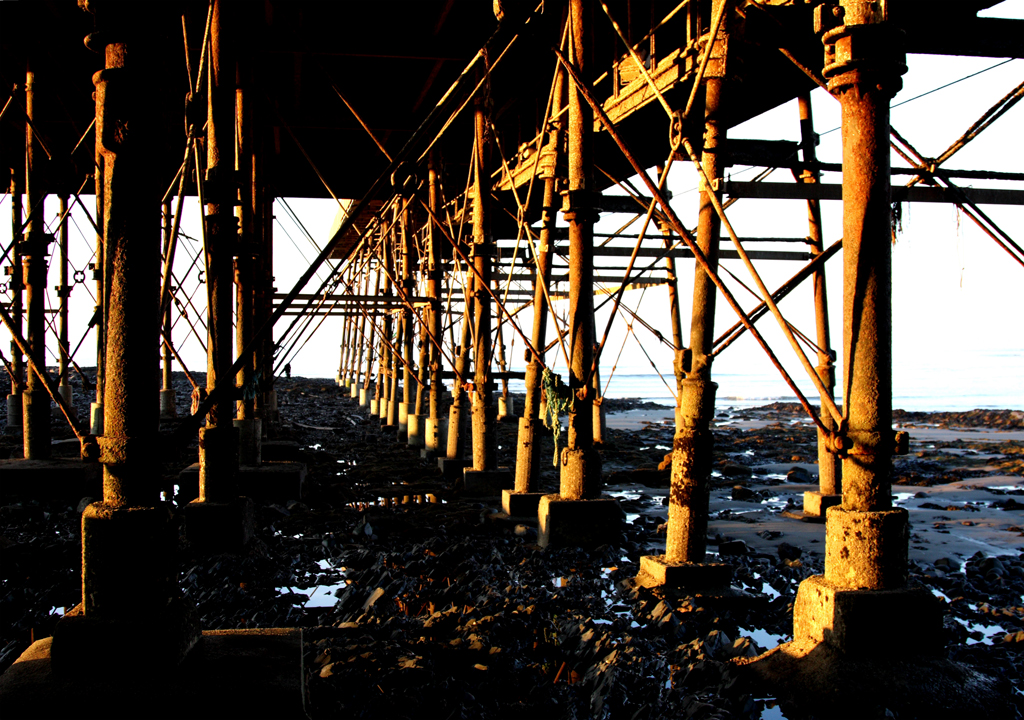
column 958, row 325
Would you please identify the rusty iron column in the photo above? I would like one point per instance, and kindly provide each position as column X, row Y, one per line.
column 672, row 284
column 168, row 410
column 246, row 422
column 100, row 311
column 580, row 463
column 455, row 461
column 64, row 292
column 129, row 540
column 829, row 491
column 434, row 434
column 483, row 252
column 219, row 519
column 385, row 378
column 417, row 416
column 522, row 501
column 394, row 362
column 371, row 338
column 35, row 399
column 577, row 516
column 265, row 368
column 408, row 290
column 683, row 564
column 855, row 614
column 692, row 448
column 14, row 402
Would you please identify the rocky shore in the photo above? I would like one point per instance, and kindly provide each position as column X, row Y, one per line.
column 449, row 609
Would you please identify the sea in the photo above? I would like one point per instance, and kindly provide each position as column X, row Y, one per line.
column 986, row 380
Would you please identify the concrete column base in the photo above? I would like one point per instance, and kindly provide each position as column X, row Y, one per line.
column 250, row 437
column 374, row 404
column 67, row 393
column 506, row 410
column 815, row 504
column 168, row 411
column 229, row 673
column 415, row 431
column 867, row 549
column 696, row 578
column 382, row 407
column 353, row 391
column 816, row 680
column 578, row 523
column 487, row 482
column 96, row 418
column 403, row 421
column 363, row 401
column 433, row 440
column 273, row 412
column 220, row 527
column 36, row 424
column 868, row 623
column 520, row 504
column 86, row 648
column 14, row 412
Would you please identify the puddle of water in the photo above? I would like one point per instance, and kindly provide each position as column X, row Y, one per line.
column 763, row 638
column 560, row 582
column 632, row 517
column 318, row 597
column 768, row 590
column 1005, row 488
column 898, row 498
column 771, row 710
column 58, row 610
column 776, row 504
column 317, row 446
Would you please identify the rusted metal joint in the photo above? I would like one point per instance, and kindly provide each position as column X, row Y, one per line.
column 118, row 450
column 871, row 54
column 90, row 451
column 675, row 130
column 578, row 206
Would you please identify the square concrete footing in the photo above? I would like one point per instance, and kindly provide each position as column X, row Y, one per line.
column 696, row 578
column 578, row 523
column 451, row 468
column 487, row 482
column 523, row 505
column 868, row 622
column 230, row 673
column 87, row 647
column 56, row 478
column 271, row 482
column 214, row 527
column 815, row 504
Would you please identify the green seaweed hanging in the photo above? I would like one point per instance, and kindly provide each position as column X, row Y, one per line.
column 559, row 400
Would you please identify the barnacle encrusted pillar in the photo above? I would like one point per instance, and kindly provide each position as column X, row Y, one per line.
column 577, row 515
column 683, row 564
column 829, row 490
column 129, row 572
column 852, row 631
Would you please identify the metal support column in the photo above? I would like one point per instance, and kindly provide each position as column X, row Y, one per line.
column 35, row 399
column 63, row 292
column 14, row 410
column 531, row 424
column 829, row 466
column 129, row 541
column 434, row 434
column 168, row 410
column 219, row 519
column 483, row 252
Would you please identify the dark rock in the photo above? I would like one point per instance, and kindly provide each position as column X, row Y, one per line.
column 789, row 552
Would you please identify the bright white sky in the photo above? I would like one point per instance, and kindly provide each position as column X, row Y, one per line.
column 957, row 296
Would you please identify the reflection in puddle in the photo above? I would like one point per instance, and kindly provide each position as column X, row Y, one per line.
column 317, row 597
column 764, row 639
column 899, row 498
